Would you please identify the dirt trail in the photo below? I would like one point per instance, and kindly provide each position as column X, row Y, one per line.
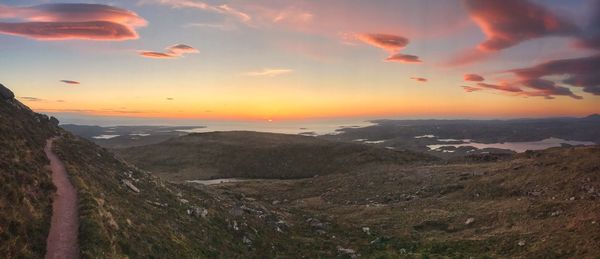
column 62, row 240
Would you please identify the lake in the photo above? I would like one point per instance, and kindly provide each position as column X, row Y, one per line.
column 518, row 146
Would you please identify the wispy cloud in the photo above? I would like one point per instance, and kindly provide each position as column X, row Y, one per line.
column 120, row 111
column 222, row 9
column 403, row 58
column 528, row 87
column 579, row 72
column 420, row 79
column 509, row 22
column 470, row 89
column 218, row 26
column 390, row 43
column 31, row 99
column 70, row 21
column 174, row 51
column 502, row 87
column 70, row 82
column 268, row 72
column 35, row 99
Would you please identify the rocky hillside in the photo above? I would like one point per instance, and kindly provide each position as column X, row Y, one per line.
column 25, row 202
column 257, row 155
column 126, row 212
column 542, row 204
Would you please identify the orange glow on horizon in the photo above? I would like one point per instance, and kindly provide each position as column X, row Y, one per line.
column 381, row 110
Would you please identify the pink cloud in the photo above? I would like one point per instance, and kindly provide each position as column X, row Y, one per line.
column 526, row 88
column 473, row 78
column 195, row 4
column 389, row 42
column 470, row 89
column 71, row 21
column 154, row 54
column 468, row 56
column 174, row 51
column 509, row 22
column 403, row 58
column 293, row 16
column 502, row 87
column 180, row 49
column 327, row 18
column 419, row 79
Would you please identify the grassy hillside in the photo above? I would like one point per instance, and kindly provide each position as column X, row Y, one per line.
column 165, row 220
column 537, row 205
column 365, row 201
column 257, row 155
column 128, row 213
column 25, row 202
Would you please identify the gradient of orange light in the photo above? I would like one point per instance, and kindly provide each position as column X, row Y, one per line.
column 294, row 105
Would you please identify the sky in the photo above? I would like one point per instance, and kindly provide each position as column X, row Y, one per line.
column 284, row 60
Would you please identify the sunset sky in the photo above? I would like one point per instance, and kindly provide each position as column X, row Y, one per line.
column 274, row 59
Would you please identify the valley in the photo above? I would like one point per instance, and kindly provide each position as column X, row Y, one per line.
column 296, row 196
column 192, row 129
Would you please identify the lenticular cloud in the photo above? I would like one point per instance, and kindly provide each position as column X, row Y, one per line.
column 70, row 21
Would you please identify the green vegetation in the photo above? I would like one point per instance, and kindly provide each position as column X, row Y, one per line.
column 359, row 200
column 161, row 221
column 541, row 204
column 25, row 203
column 258, row 155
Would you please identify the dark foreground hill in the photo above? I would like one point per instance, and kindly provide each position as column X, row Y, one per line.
column 125, row 212
column 258, row 155
column 25, row 185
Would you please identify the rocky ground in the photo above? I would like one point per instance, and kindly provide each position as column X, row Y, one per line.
column 537, row 205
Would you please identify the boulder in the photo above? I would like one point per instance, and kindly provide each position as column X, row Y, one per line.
column 5, row 93
column 131, row 186
column 367, row 230
column 348, row 252
column 469, row 221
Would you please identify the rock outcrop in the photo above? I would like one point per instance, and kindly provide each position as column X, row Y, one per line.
column 5, row 93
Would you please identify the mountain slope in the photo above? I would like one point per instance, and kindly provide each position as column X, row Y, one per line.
column 25, row 202
column 257, row 155
column 128, row 212
column 534, row 205
column 125, row 212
